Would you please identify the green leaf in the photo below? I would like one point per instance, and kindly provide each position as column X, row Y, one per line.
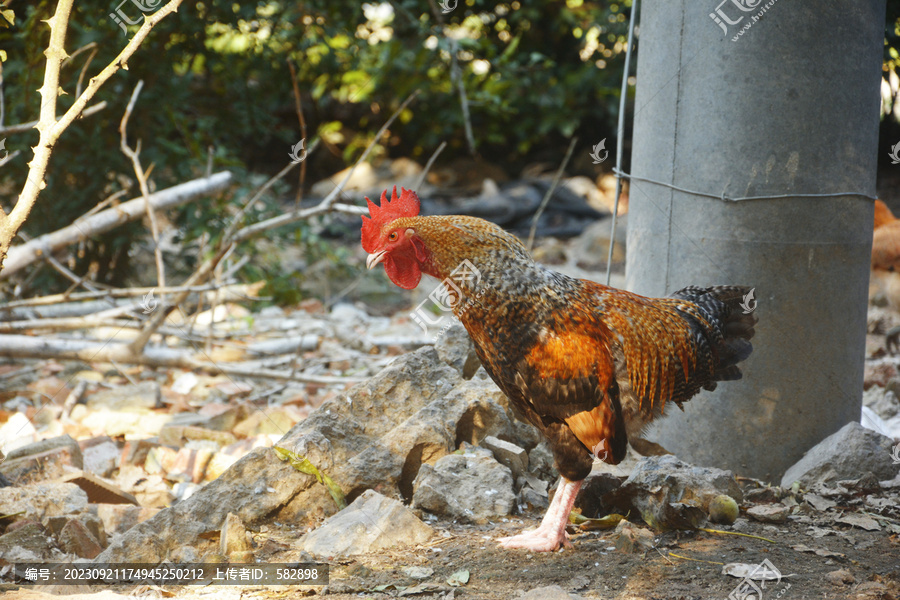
column 303, row 465
column 8, row 15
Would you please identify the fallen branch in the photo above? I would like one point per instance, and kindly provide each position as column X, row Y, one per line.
column 236, row 292
column 26, row 346
column 25, row 254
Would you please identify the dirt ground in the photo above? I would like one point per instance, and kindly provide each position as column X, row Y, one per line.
column 683, row 565
column 845, row 562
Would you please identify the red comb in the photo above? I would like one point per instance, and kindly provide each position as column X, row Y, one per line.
column 404, row 205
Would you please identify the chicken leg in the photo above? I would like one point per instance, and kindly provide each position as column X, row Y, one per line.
column 551, row 534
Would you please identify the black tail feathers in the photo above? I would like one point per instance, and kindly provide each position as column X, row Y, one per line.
column 731, row 311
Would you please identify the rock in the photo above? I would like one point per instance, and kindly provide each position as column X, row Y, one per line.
column 43, row 500
column 844, row 455
column 178, row 435
column 233, row 541
column 669, row 493
column 550, row 592
column 230, row 454
column 541, row 462
column 769, row 513
column 590, row 498
column 18, row 431
column 219, row 417
column 507, row 454
column 119, row 518
column 142, row 395
column 41, row 461
column 465, row 486
column 25, row 543
column 133, row 423
column 102, row 458
column 630, row 539
column 372, row 522
column 93, row 523
column 76, row 539
column 417, row 572
column 376, row 435
column 244, row 490
column 189, row 465
column 277, row 419
column 840, row 577
column 882, row 401
column 764, row 495
column 455, row 348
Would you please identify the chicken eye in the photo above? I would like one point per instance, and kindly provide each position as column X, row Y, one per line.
column 393, row 237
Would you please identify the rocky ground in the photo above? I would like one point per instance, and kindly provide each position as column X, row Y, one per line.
column 400, row 464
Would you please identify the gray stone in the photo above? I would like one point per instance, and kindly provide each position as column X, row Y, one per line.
column 254, row 487
column 62, row 441
column 142, row 395
column 119, row 518
column 455, row 348
column 769, row 513
column 372, row 522
column 102, row 459
column 669, row 493
column 541, row 462
column 465, row 486
column 882, row 401
column 42, row 461
column 26, row 542
column 845, row 454
column 550, row 592
column 507, row 454
column 43, row 500
column 376, row 435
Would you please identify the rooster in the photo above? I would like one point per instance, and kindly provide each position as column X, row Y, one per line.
column 587, row 364
column 885, row 278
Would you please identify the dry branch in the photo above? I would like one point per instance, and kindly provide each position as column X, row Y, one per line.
column 26, row 346
column 25, row 254
column 48, row 126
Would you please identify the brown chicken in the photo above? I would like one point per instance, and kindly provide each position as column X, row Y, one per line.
column 884, row 280
column 587, row 364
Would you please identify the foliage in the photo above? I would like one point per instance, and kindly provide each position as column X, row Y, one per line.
column 218, row 87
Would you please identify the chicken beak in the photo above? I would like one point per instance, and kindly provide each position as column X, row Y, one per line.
column 375, row 258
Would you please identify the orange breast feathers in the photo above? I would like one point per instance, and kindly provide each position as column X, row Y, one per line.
column 578, row 370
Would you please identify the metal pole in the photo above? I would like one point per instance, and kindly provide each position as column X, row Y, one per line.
column 779, row 98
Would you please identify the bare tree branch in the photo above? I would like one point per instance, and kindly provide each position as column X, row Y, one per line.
column 135, row 156
column 48, row 126
column 25, row 254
